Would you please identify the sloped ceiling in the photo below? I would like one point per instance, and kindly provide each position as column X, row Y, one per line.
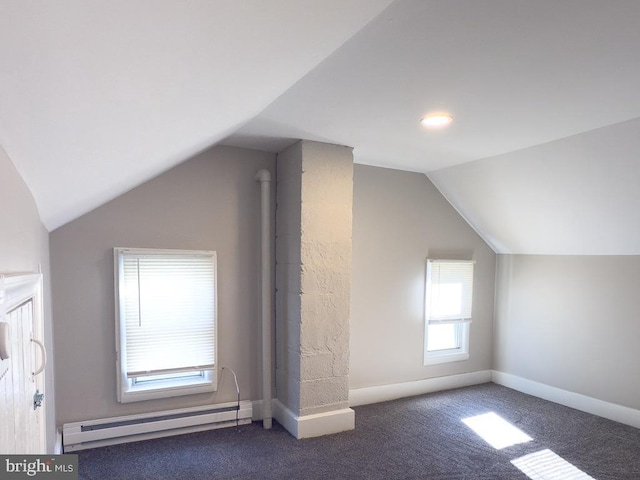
column 96, row 97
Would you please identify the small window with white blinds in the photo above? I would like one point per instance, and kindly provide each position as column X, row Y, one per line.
column 448, row 302
column 449, row 291
column 166, row 322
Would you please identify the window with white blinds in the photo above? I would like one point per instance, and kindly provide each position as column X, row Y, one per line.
column 448, row 301
column 449, row 291
column 166, row 304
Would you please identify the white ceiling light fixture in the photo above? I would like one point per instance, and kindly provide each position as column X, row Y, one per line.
column 436, row 120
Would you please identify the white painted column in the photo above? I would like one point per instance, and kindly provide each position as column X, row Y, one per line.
column 313, row 279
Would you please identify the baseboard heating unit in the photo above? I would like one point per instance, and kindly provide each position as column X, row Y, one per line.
column 110, row 431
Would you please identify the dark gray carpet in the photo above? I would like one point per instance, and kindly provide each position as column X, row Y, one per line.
column 416, row 438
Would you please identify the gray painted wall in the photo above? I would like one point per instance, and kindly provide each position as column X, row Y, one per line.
column 553, row 313
column 24, row 248
column 399, row 220
column 209, row 202
column 212, row 202
column 571, row 322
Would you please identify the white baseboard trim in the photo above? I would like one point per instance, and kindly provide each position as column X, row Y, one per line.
column 383, row 393
column 612, row 411
column 257, row 410
column 308, row 426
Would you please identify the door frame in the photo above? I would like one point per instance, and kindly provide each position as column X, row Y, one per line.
column 14, row 290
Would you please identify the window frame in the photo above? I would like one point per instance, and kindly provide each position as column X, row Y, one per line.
column 196, row 381
column 462, row 325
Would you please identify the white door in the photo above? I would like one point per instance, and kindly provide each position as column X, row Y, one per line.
column 22, row 371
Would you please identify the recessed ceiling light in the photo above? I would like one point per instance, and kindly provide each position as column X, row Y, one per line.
column 436, row 120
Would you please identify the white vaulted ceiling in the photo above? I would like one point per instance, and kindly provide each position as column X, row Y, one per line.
column 542, row 156
column 97, row 97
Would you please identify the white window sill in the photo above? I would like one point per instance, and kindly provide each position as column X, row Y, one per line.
column 435, row 358
column 166, row 389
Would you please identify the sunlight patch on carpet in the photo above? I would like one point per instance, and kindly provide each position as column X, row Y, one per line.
column 546, row 465
column 496, row 431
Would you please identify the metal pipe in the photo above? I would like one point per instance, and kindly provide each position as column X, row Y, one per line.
column 264, row 177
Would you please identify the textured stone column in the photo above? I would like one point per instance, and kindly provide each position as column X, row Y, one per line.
column 313, row 282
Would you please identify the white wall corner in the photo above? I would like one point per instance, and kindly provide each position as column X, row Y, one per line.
column 384, row 393
column 316, row 425
column 57, row 448
column 612, row 411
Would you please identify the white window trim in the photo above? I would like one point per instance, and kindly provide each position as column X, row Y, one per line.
column 451, row 355
column 459, row 354
column 127, row 389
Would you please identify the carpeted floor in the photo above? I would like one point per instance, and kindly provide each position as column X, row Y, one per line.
column 421, row 437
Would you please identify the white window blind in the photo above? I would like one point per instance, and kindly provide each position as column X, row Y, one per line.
column 449, row 291
column 168, row 312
